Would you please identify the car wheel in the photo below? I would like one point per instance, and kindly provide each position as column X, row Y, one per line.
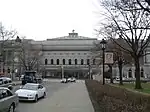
column 11, row 108
column 36, row 98
column 44, row 95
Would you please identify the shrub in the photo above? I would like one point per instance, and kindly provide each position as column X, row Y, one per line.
column 116, row 99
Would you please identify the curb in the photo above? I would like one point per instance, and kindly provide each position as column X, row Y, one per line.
column 16, row 83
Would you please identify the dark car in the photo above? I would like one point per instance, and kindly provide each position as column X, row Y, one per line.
column 31, row 77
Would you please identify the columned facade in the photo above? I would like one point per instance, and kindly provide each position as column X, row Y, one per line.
column 68, row 56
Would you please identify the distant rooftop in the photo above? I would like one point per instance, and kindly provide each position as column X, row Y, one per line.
column 73, row 36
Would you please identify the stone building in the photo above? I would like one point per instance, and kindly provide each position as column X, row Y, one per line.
column 57, row 57
column 68, row 56
column 63, row 57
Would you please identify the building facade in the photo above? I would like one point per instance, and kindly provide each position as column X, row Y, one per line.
column 68, row 56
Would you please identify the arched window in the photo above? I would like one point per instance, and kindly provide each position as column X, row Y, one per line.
column 46, row 61
column 130, row 73
column 76, row 62
column 57, row 61
column 93, row 61
column 52, row 61
column 82, row 61
column 69, row 61
column 63, row 61
column 88, row 61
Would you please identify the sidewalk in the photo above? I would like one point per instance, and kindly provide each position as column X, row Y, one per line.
column 73, row 98
column 52, row 80
column 16, row 82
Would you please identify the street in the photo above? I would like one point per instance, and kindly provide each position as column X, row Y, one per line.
column 51, row 87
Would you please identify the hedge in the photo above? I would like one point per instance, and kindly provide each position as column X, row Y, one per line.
column 115, row 99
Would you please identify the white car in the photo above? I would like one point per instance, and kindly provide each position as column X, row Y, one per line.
column 72, row 79
column 31, row 92
column 64, row 80
column 5, row 80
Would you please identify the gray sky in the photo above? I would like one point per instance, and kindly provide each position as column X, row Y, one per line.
column 42, row 19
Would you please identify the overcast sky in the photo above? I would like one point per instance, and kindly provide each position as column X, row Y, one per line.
column 42, row 19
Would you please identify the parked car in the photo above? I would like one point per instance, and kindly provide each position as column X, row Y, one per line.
column 22, row 76
column 31, row 77
column 5, row 80
column 68, row 79
column 31, row 92
column 8, row 100
column 64, row 80
column 72, row 79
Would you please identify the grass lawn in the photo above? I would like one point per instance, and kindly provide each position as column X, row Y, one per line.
column 145, row 86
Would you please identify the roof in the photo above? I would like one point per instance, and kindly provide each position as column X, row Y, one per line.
column 72, row 36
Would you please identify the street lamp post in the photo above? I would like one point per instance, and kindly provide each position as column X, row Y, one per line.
column 103, row 43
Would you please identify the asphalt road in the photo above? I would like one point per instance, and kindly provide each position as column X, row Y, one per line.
column 52, row 87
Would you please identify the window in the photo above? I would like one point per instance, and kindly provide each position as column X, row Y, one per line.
column 85, row 53
column 40, row 86
column 57, row 61
column 76, row 62
column 88, row 61
column 5, row 93
column 147, row 57
column 52, row 61
column 69, row 61
column 46, row 61
column 63, row 61
column 93, row 61
column 130, row 73
column 82, row 61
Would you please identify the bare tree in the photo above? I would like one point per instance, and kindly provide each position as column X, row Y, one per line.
column 120, row 57
column 124, row 21
column 30, row 56
column 5, row 35
column 144, row 5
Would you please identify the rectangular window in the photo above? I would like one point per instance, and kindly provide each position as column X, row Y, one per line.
column 147, row 57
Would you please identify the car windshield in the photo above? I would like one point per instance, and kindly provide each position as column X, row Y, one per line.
column 30, row 87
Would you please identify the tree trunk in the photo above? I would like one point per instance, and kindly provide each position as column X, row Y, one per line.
column 120, row 73
column 137, row 74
